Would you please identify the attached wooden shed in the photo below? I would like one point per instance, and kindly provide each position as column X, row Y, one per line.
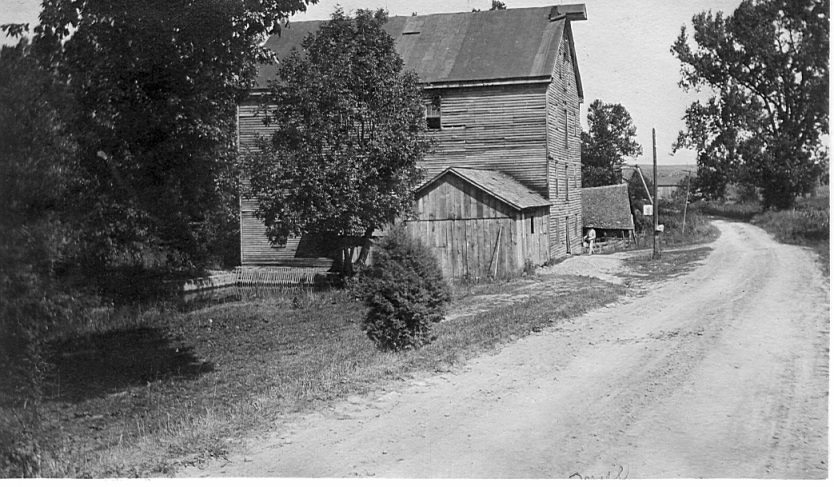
column 481, row 223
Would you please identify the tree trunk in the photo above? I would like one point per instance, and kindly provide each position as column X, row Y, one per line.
column 347, row 262
column 366, row 247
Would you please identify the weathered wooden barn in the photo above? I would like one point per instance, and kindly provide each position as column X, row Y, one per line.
column 481, row 223
column 502, row 92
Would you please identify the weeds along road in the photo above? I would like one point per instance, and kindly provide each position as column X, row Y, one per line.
column 722, row 372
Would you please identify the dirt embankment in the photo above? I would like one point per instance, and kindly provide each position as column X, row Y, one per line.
column 722, row 372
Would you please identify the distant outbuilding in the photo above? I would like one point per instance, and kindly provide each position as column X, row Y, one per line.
column 670, row 177
column 607, row 209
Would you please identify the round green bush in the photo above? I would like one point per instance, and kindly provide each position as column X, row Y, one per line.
column 405, row 293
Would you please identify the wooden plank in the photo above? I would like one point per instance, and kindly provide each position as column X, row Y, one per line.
column 509, row 255
column 517, row 245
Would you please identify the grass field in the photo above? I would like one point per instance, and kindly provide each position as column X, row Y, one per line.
column 164, row 389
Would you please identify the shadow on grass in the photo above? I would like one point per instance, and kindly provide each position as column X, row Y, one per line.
column 104, row 363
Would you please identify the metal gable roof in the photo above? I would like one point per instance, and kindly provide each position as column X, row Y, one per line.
column 607, row 207
column 496, row 184
column 514, row 43
column 507, row 44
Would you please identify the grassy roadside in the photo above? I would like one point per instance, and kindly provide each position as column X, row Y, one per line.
column 144, row 392
column 179, row 388
column 696, row 229
column 808, row 224
column 670, row 265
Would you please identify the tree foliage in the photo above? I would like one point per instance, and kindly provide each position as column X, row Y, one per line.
column 609, row 141
column 767, row 65
column 154, row 85
column 35, row 161
column 115, row 135
column 349, row 130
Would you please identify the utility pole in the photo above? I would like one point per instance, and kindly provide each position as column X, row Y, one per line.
column 686, row 201
column 655, row 247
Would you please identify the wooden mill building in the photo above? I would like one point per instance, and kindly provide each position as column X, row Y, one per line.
column 503, row 92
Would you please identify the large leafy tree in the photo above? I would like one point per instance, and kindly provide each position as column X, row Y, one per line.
column 349, row 130
column 767, row 65
column 154, row 85
column 36, row 158
column 610, row 139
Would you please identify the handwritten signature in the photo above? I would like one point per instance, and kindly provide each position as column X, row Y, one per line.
column 621, row 474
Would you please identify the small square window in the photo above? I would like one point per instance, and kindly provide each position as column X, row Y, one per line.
column 433, row 114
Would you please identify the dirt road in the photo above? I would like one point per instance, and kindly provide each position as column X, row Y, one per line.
column 720, row 373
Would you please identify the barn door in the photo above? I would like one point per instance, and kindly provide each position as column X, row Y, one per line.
column 567, row 235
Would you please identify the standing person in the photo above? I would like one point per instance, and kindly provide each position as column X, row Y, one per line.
column 590, row 237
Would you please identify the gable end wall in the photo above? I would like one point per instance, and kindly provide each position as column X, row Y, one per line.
column 564, row 171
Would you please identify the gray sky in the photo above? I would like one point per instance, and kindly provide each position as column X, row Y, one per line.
column 623, row 51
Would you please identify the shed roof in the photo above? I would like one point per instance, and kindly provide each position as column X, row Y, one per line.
column 512, row 44
column 496, row 184
column 607, row 207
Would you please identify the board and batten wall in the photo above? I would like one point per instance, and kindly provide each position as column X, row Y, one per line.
column 474, row 235
column 564, row 155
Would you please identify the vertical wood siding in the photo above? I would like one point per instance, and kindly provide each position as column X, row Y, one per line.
column 564, row 159
column 475, row 236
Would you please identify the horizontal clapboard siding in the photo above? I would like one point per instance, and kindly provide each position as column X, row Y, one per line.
column 251, row 124
column 255, row 248
column 501, row 128
column 564, row 155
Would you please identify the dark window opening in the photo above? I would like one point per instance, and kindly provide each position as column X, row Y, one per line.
column 532, row 225
column 433, row 114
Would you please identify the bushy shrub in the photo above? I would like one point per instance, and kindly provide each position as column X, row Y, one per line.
column 405, row 293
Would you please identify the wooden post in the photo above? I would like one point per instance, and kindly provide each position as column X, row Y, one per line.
column 495, row 254
column 686, row 201
column 655, row 247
